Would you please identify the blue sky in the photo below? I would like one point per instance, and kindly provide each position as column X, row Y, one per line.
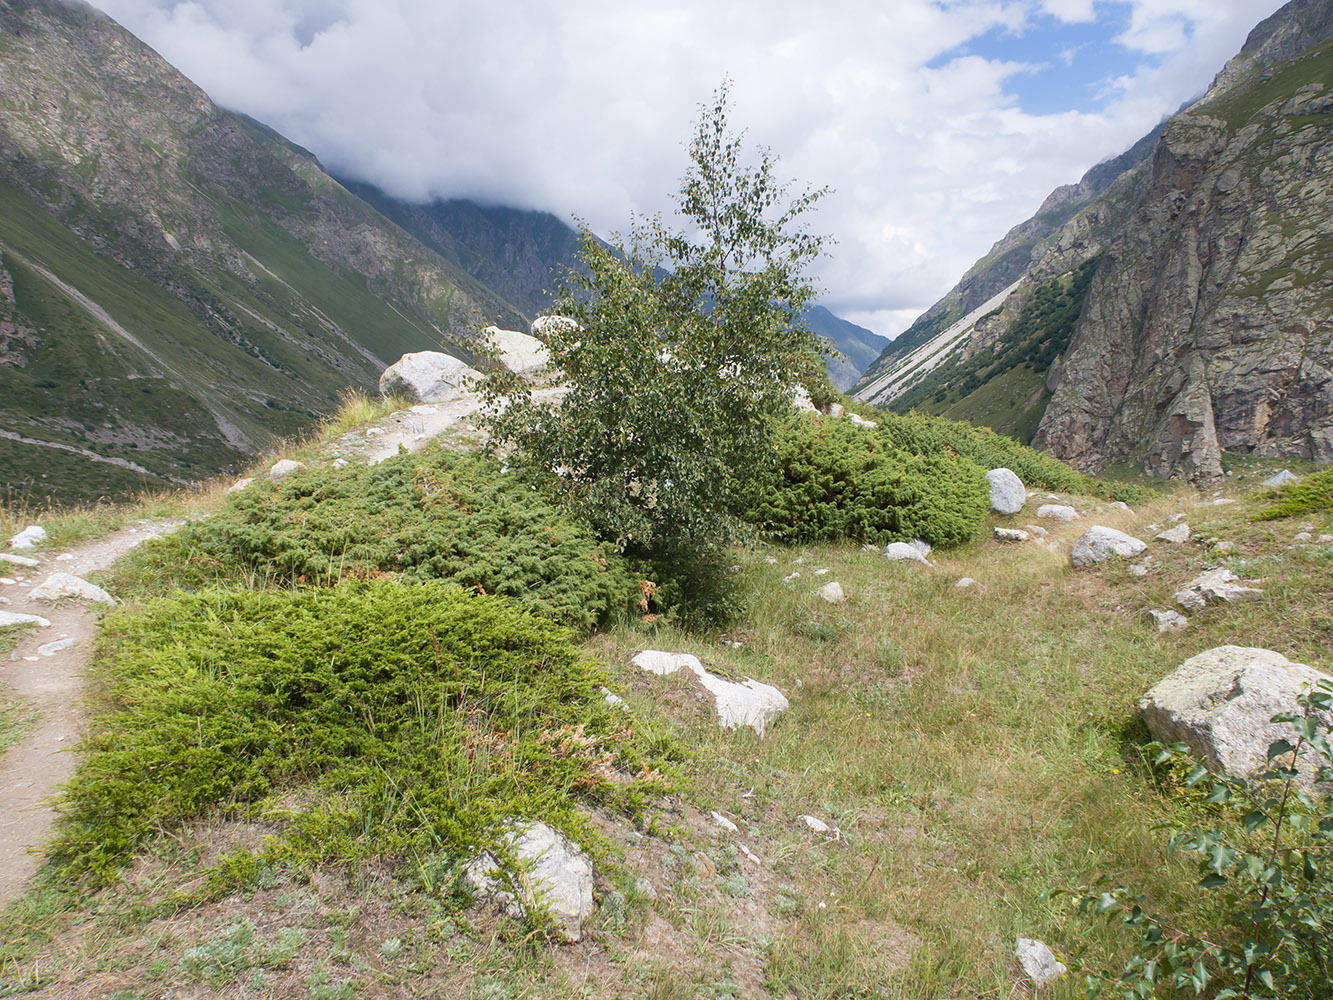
column 939, row 124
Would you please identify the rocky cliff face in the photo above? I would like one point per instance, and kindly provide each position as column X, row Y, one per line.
column 1205, row 326
column 1209, row 326
column 182, row 282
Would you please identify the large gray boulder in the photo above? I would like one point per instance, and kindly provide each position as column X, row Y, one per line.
column 1099, row 544
column 1007, row 493
column 555, row 878
column 427, row 377
column 1221, row 702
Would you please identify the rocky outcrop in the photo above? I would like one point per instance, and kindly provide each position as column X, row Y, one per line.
column 1207, row 327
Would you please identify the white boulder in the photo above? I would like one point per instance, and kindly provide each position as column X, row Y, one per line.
column 284, row 468
column 520, row 353
column 1099, row 544
column 1280, row 479
column 1057, row 511
column 18, row 560
column 1039, row 964
column 8, row 618
column 427, row 377
column 744, row 703
column 1176, row 536
column 28, row 537
column 555, row 878
column 59, row 585
column 1221, row 703
column 1169, row 621
column 1213, row 587
column 241, row 484
column 544, row 326
column 861, row 421
column 1010, row 535
column 904, row 550
column 1007, row 493
column 832, row 592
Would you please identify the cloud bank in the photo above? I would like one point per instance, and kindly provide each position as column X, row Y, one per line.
column 581, row 108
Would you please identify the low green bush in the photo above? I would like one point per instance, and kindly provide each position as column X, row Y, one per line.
column 834, row 480
column 367, row 718
column 1305, row 496
column 436, row 515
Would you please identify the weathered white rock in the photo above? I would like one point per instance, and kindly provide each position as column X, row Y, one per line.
column 964, row 583
column 1176, row 536
column 837, row 411
column 1169, row 621
column 1225, row 547
column 1213, row 587
column 1303, row 537
column 1036, row 529
column 1007, row 493
column 645, row 888
column 8, row 618
column 860, row 421
column 285, row 468
column 791, row 577
column 520, row 353
column 544, row 326
column 1280, row 479
column 816, row 824
column 340, row 463
column 1324, row 539
column 18, row 560
column 725, row 823
column 1057, row 511
column 1099, row 544
column 1010, row 535
column 904, row 550
column 1138, row 569
column 1176, row 518
column 1039, row 963
column 1221, row 702
column 427, row 377
column 832, row 592
column 59, row 585
column 800, row 398
column 747, row 703
column 240, row 484
column 613, row 699
column 28, row 537
column 51, row 648
column 556, row 878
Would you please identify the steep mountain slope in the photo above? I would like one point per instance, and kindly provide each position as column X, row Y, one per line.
column 857, row 347
column 1172, row 311
column 177, row 283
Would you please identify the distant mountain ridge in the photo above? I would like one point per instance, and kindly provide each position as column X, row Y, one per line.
column 1168, row 312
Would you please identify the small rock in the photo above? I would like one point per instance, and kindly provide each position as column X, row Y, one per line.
column 1099, row 543
column 867, row 547
column 792, row 576
column 59, row 585
column 18, row 560
column 1138, row 569
column 8, row 581
column 340, row 463
column 920, row 546
column 1036, row 530
column 902, row 550
column 5, row 600
column 1007, row 494
column 861, row 421
column 832, row 592
column 1176, row 536
column 557, row 877
column 1057, row 511
column 1324, row 539
column 240, row 484
column 14, row 618
column 1212, row 587
column 1169, row 621
column 1224, row 547
column 1038, row 962
column 65, row 557
column 613, row 699
column 821, row 572
column 837, row 411
column 51, row 648
column 770, row 560
column 285, row 468
column 816, row 824
column 964, row 583
column 645, row 888
column 747, row 703
column 1121, row 505
column 1220, row 502
column 723, row 822
column 1279, row 479
column 28, row 537
column 1303, row 536
column 1176, row 518
column 1010, row 535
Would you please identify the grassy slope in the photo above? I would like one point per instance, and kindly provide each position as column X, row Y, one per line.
column 973, row 748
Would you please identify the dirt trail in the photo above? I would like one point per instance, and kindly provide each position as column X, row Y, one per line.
column 48, row 680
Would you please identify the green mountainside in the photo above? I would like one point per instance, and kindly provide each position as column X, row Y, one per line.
column 179, row 284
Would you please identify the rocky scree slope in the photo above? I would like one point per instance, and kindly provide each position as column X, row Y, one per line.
column 1204, row 327
column 179, row 283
